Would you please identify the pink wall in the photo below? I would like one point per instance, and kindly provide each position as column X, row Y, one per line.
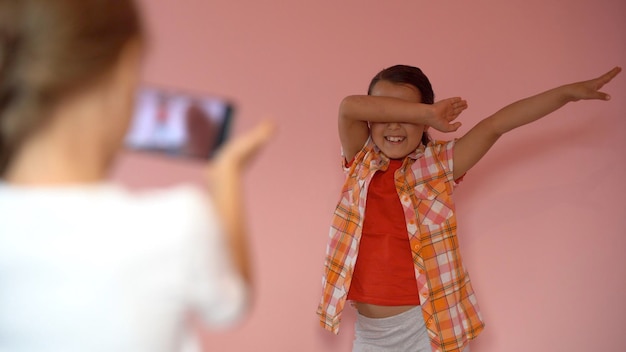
column 542, row 220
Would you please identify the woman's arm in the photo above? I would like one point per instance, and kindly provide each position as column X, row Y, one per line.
column 357, row 110
column 470, row 148
column 225, row 176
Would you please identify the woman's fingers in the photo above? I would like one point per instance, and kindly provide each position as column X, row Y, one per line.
column 240, row 150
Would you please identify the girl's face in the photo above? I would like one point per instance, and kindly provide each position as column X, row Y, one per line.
column 396, row 140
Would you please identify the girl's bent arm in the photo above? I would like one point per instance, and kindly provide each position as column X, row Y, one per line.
column 474, row 145
column 357, row 110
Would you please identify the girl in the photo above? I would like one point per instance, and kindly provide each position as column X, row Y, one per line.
column 393, row 250
column 86, row 265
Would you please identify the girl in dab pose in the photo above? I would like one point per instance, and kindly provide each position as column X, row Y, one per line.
column 393, row 250
column 86, row 265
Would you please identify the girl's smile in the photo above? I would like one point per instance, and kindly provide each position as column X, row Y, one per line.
column 392, row 139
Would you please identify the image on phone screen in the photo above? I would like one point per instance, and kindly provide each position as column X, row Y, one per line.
column 178, row 124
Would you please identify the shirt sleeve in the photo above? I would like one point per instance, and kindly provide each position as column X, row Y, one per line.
column 217, row 292
column 347, row 164
column 445, row 154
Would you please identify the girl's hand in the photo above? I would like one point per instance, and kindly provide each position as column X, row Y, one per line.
column 588, row 90
column 444, row 112
column 237, row 153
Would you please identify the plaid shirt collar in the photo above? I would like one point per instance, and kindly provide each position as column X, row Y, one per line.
column 377, row 160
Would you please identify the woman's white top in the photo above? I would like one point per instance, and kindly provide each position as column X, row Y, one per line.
column 98, row 268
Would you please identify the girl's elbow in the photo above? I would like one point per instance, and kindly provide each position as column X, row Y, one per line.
column 346, row 106
column 492, row 129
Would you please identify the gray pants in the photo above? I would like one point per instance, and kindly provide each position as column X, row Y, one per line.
column 405, row 332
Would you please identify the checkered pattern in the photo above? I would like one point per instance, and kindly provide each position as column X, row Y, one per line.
column 425, row 184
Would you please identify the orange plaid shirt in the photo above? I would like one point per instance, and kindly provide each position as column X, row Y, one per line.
column 424, row 184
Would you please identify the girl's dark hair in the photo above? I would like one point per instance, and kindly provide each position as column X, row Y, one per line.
column 403, row 74
column 50, row 49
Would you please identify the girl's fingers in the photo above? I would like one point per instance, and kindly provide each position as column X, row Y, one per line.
column 455, row 126
column 603, row 96
column 461, row 104
column 611, row 74
column 590, row 90
column 458, row 107
column 607, row 77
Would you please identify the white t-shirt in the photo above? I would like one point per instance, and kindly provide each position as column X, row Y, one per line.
column 97, row 268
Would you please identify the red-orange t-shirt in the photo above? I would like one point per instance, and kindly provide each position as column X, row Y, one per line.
column 384, row 272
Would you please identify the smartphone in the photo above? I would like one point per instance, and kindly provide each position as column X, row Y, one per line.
column 178, row 124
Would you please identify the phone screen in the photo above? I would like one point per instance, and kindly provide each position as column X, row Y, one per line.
column 178, row 124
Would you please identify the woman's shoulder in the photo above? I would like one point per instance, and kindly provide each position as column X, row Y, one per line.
column 166, row 218
column 116, row 201
column 100, row 191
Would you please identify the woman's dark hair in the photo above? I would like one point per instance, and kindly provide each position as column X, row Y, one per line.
column 50, row 49
column 403, row 74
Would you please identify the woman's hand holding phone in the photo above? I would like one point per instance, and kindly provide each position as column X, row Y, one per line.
column 238, row 152
column 224, row 178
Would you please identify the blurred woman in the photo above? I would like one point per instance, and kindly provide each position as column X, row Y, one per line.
column 86, row 265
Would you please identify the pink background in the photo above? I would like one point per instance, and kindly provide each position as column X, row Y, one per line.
column 542, row 220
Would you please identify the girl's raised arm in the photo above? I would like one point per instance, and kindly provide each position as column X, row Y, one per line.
column 357, row 110
column 472, row 146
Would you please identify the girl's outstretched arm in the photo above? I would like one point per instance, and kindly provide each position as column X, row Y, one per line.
column 357, row 110
column 472, row 146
